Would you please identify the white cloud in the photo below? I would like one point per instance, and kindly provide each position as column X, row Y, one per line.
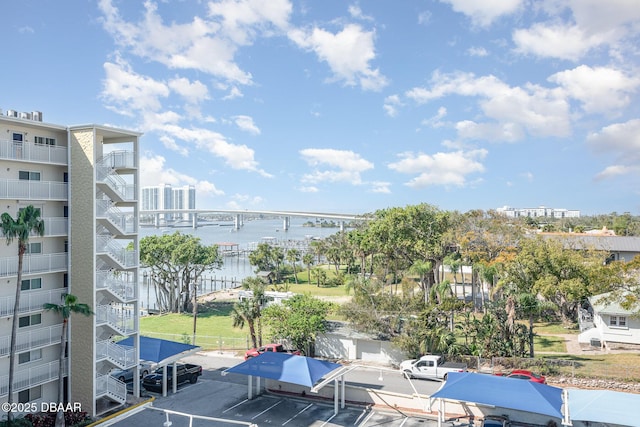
column 153, row 171
column 348, row 53
column 171, row 144
column 241, row 201
column 381, row 187
column 615, row 171
column 126, row 88
column 391, row 104
column 308, row 189
column 356, row 12
column 477, row 51
column 246, row 124
column 192, row 92
column 600, row 89
column 445, row 169
column 597, row 16
column 484, row 12
column 436, row 120
column 344, row 165
column 545, row 40
column 532, row 109
column 621, row 140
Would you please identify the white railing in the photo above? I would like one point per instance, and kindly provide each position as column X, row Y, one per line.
column 121, row 320
column 119, row 159
column 31, row 301
column 21, row 189
column 111, row 387
column 32, row 339
column 122, row 356
column 53, row 154
column 121, row 284
column 125, row 257
column 55, row 226
column 106, row 171
column 125, row 222
column 32, row 264
column 27, row 378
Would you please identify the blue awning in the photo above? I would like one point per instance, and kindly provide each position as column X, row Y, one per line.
column 604, row 406
column 285, row 367
column 159, row 351
column 509, row 393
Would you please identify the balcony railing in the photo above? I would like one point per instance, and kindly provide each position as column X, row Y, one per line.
column 122, row 356
column 28, row 151
column 121, row 284
column 122, row 320
column 31, row 301
column 125, row 257
column 55, row 226
column 21, row 189
column 32, row 264
column 27, row 378
column 106, row 172
column 119, row 159
column 123, row 221
column 32, row 339
column 111, row 387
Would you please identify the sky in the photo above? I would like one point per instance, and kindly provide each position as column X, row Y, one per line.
column 348, row 106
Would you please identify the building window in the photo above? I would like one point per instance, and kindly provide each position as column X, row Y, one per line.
column 17, row 137
column 34, row 248
column 620, row 321
column 25, row 321
column 30, row 394
column 29, row 176
column 29, row 356
column 41, row 140
column 30, row 284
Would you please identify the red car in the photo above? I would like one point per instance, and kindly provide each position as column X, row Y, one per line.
column 523, row 374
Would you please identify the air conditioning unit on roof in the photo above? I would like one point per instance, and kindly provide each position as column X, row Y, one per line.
column 25, row 115
column 12, row 113
column 37, row 116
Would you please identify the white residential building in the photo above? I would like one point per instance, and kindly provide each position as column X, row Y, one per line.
column 165, row 198
column 539, row 212
column 84, row 181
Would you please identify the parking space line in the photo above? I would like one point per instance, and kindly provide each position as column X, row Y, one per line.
column 330, row 418
column 299, row 412
column 235, row 406
column 362, row 414
column 366, row 420
column 268, row 409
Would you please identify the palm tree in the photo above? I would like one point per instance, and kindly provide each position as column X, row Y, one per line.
column 422, row 269
column 293, row 256
column 28, row 222
column 69, row 305
column 307, row 259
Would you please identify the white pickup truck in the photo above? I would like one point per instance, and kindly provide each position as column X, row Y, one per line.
column 430, row 367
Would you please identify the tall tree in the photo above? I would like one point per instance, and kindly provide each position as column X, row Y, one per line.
column 249, row 310
column 68, row 306
column 27, row 223
column 293, row 256
column 307, row 259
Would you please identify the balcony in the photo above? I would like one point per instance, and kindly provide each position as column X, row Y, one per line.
column 31, row 301
column 110, row 182
column 33, row 264
column 27, row 378
column 30, row 152
column 123, row 257
column 121, row 284
column 119, row 159
column 107, row 386
column 116, row 221
column 32, row 339
column 20, row 189
column 123, row 357
column 120, row 319
column 55, row 227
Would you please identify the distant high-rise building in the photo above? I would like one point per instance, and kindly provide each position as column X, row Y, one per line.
column 539, row 212
column 164, row 197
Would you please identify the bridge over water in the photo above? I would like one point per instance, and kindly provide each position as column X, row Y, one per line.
column 159, row 216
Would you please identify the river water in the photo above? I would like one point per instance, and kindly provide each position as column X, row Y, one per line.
column 236, row 267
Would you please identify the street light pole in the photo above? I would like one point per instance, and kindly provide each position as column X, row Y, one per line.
column 195, row 311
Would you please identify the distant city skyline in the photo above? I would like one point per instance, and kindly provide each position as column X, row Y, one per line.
column 349, row 106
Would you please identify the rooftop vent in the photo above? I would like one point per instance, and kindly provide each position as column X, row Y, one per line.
column 12, row 113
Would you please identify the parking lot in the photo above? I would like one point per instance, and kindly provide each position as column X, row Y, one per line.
column 222, row 401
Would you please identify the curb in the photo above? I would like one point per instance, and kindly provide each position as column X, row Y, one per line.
column 117, row 416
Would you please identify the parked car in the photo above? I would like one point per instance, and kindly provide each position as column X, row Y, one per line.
column 273, row 348
column 523, row 374
column 430, row 367
column 495, row 421
column 184, row 371
column 126, row 375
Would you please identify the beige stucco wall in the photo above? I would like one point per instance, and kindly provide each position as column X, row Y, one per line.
column 82, row 266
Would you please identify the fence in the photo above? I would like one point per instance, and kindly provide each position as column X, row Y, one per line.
column 207, row 342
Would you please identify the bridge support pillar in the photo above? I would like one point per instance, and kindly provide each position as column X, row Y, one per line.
column 194, row 220
column 286, row 223
column 156, row 220
column 341, row 225
column 237, row 222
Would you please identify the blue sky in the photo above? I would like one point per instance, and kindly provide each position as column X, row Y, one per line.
column 340, row 106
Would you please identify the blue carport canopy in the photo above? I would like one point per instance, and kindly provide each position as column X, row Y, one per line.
column 161, row 351
column 604, row 406
column 502, row 392
column 286, row 367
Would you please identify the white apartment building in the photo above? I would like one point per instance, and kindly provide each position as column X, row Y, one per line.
column 539, row 212
column 164, row 198
column 84, row 181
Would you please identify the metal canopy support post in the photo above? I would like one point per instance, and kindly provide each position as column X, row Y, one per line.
column 175, row 377
column 336, row 392
column 342, row 383
column 250, row 388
